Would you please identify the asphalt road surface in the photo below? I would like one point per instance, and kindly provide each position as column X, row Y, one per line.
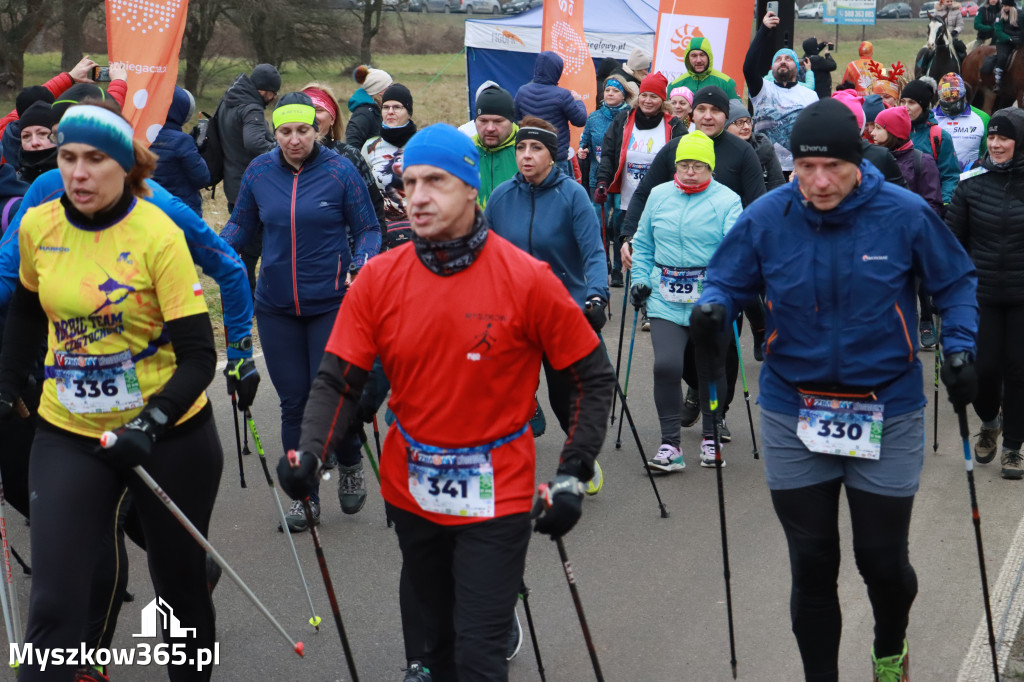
column 652, row 588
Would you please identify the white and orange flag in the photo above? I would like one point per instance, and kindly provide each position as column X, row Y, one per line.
column 145, row 36
column 563, row 34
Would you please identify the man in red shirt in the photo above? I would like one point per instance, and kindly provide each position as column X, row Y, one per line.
column 460, row 319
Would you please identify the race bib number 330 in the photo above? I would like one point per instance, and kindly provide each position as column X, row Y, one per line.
column 841, row 427
column 456, row 484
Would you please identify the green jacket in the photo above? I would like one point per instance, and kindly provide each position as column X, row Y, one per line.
column 696, row 81
column 497, row 164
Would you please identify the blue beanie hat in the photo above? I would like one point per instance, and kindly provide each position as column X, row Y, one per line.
column 873, row 106
column 99, row 128
column 788, row 52
column 444, row 147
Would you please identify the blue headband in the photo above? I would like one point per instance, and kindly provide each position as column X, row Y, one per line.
column 444, row 147
column 788, row 52
column 99, row 128
column 615, row 84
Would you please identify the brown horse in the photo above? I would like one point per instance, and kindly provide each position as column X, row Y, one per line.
column 981, row 87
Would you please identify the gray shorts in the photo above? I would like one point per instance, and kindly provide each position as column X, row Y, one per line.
column 788, row 464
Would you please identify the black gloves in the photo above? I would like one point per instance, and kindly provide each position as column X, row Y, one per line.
column 706, row 323
column 561, row 507
column 601, row 193
column 297, row 472
column 243, row 380
column 133, row 443
column 8, row 400
column 960, row 378
column 596, row 314
column 638, row 293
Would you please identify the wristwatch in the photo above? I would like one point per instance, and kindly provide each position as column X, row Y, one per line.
column 243, row 344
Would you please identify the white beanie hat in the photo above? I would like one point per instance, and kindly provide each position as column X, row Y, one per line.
column 373, row 81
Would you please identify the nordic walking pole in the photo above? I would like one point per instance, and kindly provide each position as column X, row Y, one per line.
column 107, row 440
column 8, row 590
column 238, row 442
column 524, row 594
column 938, row 366
column 622, row 331
column 376, row 441
column 961, row 415
column 330, row 590
column 373, row 463
column 376, row 436
column 746, row 392
column 544, row 500
column 315, row 620
column 625, row 389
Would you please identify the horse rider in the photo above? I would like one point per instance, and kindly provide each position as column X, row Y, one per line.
column 985, row 19
column 1007, row 35
column 948, row 12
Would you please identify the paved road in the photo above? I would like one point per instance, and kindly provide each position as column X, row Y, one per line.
column 652, row 588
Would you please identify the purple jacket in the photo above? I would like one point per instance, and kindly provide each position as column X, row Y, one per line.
column 928, row 185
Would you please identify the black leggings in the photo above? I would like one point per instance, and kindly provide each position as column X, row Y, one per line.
column 810, row 519
column 1001, row 370
column 74, row 497
column 732, row 366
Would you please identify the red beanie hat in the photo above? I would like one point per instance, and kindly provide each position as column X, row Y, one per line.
column 895, row 121
column 656, row 83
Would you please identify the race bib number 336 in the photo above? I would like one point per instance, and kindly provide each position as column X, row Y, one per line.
column 92, row 384
column 841, row 427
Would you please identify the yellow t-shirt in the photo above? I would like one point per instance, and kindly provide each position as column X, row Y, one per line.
column 107, row 294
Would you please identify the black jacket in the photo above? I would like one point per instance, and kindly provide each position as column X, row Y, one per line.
column 736, row 167
column 611, row 146
column 244, row 131
column 882, row 159
column 986, row 215
column 771, row 169
column 822, row 67
column 364, row 123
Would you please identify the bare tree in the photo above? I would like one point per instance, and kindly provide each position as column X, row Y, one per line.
column 370, row 16
column 199, row 30
column 73, row 14
column 20, row 22
column 302, row 30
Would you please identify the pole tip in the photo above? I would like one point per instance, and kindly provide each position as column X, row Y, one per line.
column 300, row 648
column 315, row 622
column 734, row 671
column 664, row 512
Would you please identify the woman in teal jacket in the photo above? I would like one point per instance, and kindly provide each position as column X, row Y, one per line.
column 681, row 227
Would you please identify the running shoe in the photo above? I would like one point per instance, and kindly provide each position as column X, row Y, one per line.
column 985, row 448
column 707, row 453
column 723, row 431
column 595, row 484
column 1012, row 465
column 616, row 279
column 892, row 668
column 691, row 408
column 90, row 674
column 417, row 673
column 927, row 336
column 668, row 459
column 515, row 637
column 351, row 487
column 296, row 516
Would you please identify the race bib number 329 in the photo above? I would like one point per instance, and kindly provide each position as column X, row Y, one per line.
column 841, row 427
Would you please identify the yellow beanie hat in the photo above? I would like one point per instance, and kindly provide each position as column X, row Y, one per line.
column 696, row 146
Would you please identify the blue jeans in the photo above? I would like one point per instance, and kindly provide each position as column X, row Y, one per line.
column 293, row 347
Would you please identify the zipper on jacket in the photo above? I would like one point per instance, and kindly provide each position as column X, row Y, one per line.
column 906, row 333
column 835, row 306
column 337, row 277
column 529, row 238
column 295, row 275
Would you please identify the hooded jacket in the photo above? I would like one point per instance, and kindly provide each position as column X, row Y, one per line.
column 365, row 121
column 679, row 230
column 841, row 290
column 949, row 166
column 497, row 164
column 821, row 67
column 858, row 73
column 543, row 98
column 554, row 222
column 244, row 131
column 987, row 217
column 307, row 216
column 736, row 167
column 710, row 76
column 180, row 168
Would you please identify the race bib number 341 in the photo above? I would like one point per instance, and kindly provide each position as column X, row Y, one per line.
column 456, row 484
column 841, row 427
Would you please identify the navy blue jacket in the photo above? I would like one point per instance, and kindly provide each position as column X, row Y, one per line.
column 306, row 217
column 553, row 222
column 181, row 170
column 840, row 289
column 10, row 143
column 542, row 98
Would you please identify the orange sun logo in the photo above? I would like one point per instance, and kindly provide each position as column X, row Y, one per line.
column 681, row 39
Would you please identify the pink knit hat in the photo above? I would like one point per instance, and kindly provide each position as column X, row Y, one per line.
column 895, row 121
column 854, row 103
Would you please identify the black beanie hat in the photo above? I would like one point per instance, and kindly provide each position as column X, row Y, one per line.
column 39, row 114
column 810, row 46
column 827, row 128
column 266, row 77
column 75, row 94
column 713, row 95
column 1002, row 123
column 920, row 92
column 496, row 102
column 29, row 96
column 398, row 93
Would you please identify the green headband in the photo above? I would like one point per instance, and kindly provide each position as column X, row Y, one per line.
column 294, row 113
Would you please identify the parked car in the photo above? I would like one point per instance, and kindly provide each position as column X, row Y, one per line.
column 520, row 6
column 475, row 6
column 429, row 6
column 814, row 10
column 894, row 10
column 969, row 9
column 926, row 9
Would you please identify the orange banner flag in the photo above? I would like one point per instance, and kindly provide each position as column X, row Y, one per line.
column 725, row 24
column 145, row 36
column 562, row 33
